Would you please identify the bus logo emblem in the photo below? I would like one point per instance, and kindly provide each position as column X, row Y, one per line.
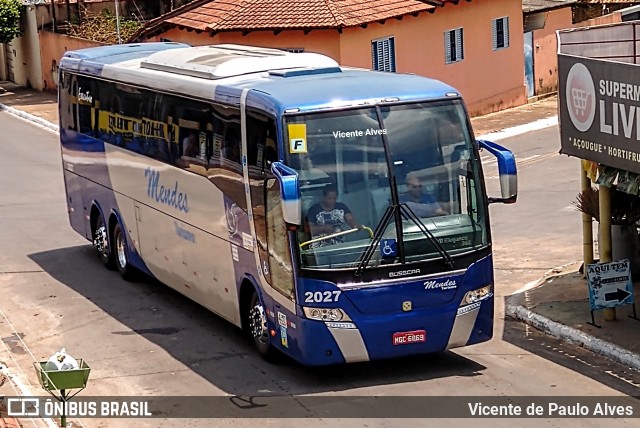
column 407, row 306
column 447, row 284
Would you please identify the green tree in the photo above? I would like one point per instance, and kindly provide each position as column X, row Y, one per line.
column 9, row 20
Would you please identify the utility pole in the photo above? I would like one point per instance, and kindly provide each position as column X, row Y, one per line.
column 53, row 15
column 118, row 22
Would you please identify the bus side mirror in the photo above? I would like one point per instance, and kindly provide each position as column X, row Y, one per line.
column 289, row 192
column 506, row 170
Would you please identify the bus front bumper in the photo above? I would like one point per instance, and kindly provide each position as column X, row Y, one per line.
column 394, row 335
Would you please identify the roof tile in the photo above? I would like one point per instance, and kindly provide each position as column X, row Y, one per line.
column 230, row 15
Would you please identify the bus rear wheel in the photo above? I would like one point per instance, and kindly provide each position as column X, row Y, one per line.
column 102, row 242
column 258, row 330
column 122, row 253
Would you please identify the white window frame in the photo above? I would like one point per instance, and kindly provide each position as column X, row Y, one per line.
column 383, row 54
column 453, row 45
column 496, row 43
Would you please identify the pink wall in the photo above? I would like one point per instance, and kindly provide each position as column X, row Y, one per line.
column 545, row 43
column 52, row 47
column 322, row 41
column 545, row 47
column 488, row 80
column 611, row 18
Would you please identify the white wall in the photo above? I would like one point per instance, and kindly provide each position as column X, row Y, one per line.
column 27, row 66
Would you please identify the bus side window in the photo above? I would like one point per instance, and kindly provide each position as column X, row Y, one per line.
column 87, row 95
column 261, row 142
column 65, row 100
column 74, row 108
column 162, row 111
column 231, row 146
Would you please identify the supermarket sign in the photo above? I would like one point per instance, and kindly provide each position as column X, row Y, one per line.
column 600, row 111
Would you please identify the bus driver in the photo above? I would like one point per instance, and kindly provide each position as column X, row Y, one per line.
column 422, row 204
column 329, row 216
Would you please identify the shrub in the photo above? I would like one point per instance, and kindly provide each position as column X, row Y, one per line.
column 9, row 20
column 625, row 208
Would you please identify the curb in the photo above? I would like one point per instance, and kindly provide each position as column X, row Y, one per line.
column 519, row 129
column 573, row 335
column 31, row 118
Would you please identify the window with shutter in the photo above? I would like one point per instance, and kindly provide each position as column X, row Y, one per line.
column 447, row 47
column 453, row 46
column 505, row 24
column 500, row 33
column 383, row 54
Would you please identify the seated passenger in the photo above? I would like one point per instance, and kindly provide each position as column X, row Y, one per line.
column 190, row 145
column 329, row 217
column 422, row 204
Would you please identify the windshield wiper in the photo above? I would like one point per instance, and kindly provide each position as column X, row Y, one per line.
column 408, row 212
column 377, row 236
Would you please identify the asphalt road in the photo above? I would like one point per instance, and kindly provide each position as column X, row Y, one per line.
column 543, row 229
column 143, row 339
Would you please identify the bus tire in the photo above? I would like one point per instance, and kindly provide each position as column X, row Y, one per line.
column 121, row 253
column 258, row 330
column 102, row 242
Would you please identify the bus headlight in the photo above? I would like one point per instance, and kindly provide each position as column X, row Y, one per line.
column 325, row 314
column 476, row 295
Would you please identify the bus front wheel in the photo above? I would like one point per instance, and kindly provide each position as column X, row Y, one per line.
column 258, row 331
column 102, row 242
column 122, row 253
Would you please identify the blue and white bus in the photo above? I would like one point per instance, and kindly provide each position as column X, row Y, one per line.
column 211, row 169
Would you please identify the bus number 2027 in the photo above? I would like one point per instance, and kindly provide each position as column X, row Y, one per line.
column 321, row 296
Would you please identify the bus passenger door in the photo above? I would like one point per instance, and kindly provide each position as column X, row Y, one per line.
column 276, row 260
column 272, row 241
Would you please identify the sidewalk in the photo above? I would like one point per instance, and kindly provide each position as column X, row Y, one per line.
column 558, row 303
column 41, row 107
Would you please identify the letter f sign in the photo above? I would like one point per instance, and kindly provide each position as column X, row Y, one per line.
column 297, row 138
column 297, row 145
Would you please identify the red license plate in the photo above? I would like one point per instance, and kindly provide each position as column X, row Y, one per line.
column 406, row 337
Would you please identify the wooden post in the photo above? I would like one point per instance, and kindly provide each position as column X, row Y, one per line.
column 605, row 237
column 587, row 226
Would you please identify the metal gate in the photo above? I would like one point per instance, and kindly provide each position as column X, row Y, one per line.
column 8, row 61
column 528, row 63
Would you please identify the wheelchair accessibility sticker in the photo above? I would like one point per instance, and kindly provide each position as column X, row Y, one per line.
column 388, row 248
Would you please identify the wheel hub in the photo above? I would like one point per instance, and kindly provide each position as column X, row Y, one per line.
column 258, row 323
column 101, row 241
column 121, row 251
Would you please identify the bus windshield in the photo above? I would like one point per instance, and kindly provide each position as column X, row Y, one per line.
column 346, row 178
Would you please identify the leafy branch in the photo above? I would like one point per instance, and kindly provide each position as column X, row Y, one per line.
column 9, row 20
column 102, row 27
